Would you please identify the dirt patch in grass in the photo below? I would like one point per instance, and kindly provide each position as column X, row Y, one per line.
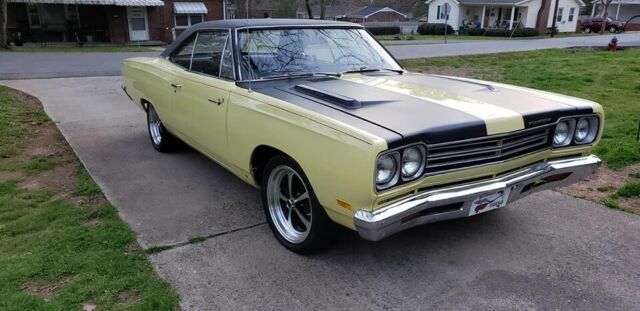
column 127, row 299
column 45, row 291
column 603, row 186
column 60, row 179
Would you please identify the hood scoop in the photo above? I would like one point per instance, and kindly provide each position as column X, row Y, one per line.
column 333, row 98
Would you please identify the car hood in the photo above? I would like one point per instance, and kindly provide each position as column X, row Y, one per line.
column 434, row 109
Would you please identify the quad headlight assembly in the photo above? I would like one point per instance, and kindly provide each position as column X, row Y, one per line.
column 576, row 131
column 400, row 165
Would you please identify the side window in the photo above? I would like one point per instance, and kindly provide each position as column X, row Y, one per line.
column 207, row 54
column 182, row 55
column 226, row 67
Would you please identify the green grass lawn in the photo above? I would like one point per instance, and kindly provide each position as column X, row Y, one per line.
column 611, row 79
column 79, row 49
column 62, row 245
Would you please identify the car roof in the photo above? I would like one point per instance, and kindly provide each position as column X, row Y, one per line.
column 233, row 24
column 271, row 22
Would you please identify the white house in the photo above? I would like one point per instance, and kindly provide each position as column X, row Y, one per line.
column 503, row 13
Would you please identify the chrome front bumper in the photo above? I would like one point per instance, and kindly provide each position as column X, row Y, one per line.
column 454, row 202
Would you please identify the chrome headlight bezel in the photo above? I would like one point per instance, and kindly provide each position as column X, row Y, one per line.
column 568, row 139
column 592, row 130
column 420, row 166
column 395, row 175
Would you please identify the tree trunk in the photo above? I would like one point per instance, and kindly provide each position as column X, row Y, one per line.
column 323, row 10
column 543, row 17
column 309, row 11
column 605, row 12
column 4, row 39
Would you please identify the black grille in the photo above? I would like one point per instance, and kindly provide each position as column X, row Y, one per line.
column 467, row 153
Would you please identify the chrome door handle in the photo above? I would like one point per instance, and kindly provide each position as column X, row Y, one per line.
column 176, row 86
column 220, row 101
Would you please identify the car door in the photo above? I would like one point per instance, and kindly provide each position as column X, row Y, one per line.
column 201, row 93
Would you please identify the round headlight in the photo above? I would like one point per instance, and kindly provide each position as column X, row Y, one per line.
column 562, row 134
column 412, row 161
column 582, row 129
column 386, row 169
column 586, row 130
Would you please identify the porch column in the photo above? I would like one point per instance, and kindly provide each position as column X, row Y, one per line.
column 513, row 13
column 593, row 10
column 484, row 9
column 618, row 11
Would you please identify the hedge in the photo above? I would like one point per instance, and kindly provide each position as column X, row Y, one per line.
column 434, row 29
column 475, row 31
column 519, row 32
column 380, row 31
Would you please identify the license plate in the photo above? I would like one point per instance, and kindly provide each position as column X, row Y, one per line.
column 488, row 202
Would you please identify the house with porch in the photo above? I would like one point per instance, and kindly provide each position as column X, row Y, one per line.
column 502, row 13
column 622, row 10
column 111, row 21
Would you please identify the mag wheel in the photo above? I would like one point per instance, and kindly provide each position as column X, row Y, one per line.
column 161, row 139
column 291, row 207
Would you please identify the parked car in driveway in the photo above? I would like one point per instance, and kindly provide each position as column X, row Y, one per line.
column 594, row 24
column 331, row 128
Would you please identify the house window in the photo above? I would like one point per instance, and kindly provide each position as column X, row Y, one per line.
column 560, row 12
column 187, row 20
column 572, row 11
column 438, row 14
column 34, row 16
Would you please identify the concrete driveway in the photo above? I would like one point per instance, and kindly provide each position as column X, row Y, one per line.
column 548, row 251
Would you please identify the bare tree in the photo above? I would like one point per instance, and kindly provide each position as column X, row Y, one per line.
column 4, row 39
column 605, row 11
column 309, row 11
column 323, row 9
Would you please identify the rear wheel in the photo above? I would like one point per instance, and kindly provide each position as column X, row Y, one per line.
column 587, row 29
column 161, row 139
column 293, row 212
column 613, row 29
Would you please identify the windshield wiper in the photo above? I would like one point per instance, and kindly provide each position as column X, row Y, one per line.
column 303, row 74
column 373, row 69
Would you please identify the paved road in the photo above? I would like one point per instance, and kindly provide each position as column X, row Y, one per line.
column 548, row 251
column 49, row 65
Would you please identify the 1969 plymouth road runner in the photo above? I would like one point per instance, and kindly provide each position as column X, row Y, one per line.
column 332, row 129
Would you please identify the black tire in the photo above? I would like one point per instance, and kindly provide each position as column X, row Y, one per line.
column 322, row 228
column 613, row 29
column 161, row 139
column 587, row 29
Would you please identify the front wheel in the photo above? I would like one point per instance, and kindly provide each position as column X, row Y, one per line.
column 587, row 29
column 613, row 29
column 293, row 212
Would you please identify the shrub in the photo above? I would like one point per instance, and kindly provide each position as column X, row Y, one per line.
column 475, row 31
column 518, row 32
column 380, row 31
column 434, row 29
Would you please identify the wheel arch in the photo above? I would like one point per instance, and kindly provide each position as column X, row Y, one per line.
column 145, row 104
column 259, row 158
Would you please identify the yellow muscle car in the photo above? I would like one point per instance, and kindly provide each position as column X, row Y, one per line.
column 330, row 127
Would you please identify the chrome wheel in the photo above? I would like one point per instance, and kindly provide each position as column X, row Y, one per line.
column 289, row 204
column 155, row 126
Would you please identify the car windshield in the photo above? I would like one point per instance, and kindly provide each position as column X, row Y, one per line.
column 274, row 53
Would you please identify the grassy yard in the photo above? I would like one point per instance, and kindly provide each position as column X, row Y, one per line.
column 83, row 49
column 611, row 79
column 62, row 246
